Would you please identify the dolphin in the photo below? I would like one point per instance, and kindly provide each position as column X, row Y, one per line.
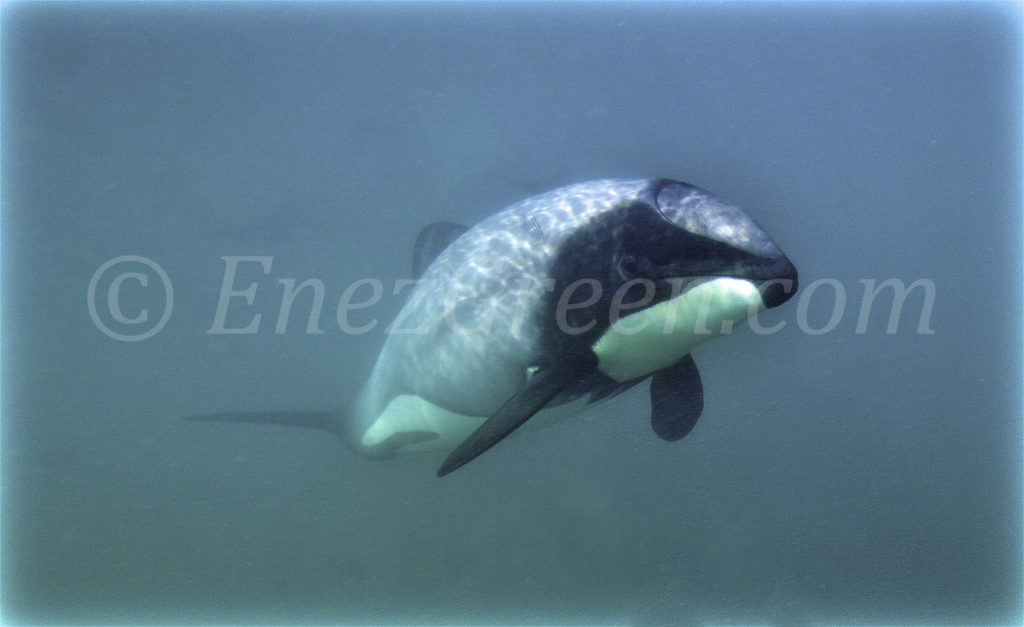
column 561, row 300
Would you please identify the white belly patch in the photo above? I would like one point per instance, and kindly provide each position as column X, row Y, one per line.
column 659, row 336
column 412, row 413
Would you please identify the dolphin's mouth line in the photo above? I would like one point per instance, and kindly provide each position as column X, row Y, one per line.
column 680, row 285
column 774, row 290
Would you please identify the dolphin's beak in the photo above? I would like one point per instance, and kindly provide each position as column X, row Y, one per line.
column 704, row 214
column 783, row 284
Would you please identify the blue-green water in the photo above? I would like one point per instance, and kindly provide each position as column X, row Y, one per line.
column 835, row 476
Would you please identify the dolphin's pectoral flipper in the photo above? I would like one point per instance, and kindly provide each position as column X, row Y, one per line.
column 610, row 389
column 326, row 420
column 677, row 399
column 433, row 239
column 543, row 386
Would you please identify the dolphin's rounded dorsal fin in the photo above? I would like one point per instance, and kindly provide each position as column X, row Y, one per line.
column 432, row 240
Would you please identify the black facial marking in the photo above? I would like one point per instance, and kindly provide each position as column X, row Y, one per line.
column 632, row 243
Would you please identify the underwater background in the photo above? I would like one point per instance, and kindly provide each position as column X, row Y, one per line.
column 839, row 473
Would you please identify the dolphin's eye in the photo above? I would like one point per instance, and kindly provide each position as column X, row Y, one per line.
column 629, row 266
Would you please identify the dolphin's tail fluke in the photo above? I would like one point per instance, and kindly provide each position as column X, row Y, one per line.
column 331, row 421
column 325, row 420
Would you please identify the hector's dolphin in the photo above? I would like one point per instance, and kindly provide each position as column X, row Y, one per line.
column 572, row 295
